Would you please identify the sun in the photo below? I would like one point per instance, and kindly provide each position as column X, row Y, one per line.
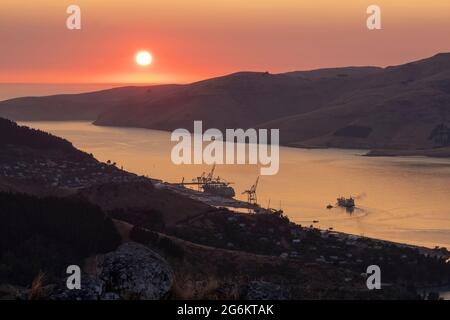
column 143, row 58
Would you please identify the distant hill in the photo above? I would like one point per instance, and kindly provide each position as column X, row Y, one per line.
column 83, row 106
column 13, row 134
column 22, row 143
column 399, row 107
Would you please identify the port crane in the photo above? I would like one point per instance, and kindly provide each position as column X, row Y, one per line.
column 210, row 184
column 251, row 193
column 210, row 175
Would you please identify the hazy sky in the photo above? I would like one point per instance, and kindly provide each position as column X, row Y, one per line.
column 195, row 39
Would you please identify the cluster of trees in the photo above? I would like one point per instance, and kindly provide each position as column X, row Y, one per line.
column 218, row 231
column 48, row 234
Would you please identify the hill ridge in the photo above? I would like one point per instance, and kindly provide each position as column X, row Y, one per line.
column 400, row 105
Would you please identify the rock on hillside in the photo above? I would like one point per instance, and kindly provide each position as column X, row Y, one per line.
column 134, row 271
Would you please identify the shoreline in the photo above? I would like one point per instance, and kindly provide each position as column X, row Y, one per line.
column 233, row 204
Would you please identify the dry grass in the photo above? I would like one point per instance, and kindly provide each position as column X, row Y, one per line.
column 123, row 228
column 211, row 288
column 37, row 291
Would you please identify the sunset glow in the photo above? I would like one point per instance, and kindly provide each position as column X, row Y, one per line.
column 200, row 39
column 143, row 58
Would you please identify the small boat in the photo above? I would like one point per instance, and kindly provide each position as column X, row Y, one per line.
column 346, row 202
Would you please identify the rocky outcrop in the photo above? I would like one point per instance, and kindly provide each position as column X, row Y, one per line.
column 134, row 271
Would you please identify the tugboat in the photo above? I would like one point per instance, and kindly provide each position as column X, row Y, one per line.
column 346, row 202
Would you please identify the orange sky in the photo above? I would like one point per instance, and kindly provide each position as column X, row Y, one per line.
column 195, row 39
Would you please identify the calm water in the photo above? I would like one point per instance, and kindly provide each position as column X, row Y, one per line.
column 405, row 199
